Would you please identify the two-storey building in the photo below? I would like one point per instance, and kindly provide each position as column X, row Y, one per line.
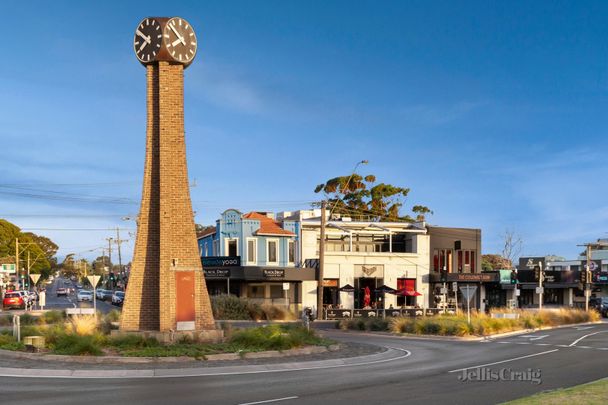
column 255, row 256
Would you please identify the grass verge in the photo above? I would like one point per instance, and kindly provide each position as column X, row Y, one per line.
column 594, row 393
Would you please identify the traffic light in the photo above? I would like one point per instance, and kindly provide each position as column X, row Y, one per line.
column 536, row 273
column 513, row 277
column 582, row 276
column 444, row 275
column 111, row 276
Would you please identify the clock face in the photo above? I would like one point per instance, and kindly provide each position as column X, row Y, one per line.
column 148, row 40
column 180, row 40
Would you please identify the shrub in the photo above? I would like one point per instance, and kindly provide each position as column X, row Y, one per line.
column 274, row 313
column 83, row 324
column 230, row 307
column 27, row 319
column 378, row 325
column 125, row 342
column 7, row 342
column 6, row 320
column 274, row 337
column 74, row 344
column 51, row 317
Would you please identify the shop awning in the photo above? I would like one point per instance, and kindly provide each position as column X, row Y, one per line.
column 383, row 289
column 347, row 288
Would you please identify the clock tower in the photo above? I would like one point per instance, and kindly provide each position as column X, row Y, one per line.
column 166, row 293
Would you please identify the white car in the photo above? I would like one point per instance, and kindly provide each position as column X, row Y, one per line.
column 84, row 295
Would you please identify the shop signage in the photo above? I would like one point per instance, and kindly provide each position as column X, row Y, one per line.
column 216, row 273
column 339, row 313
column 505, row 276
column 221, row 261
column 365, row 313
column 368, row 271
column 473, row 277
column 379, row 313
column 274, row 273
column 8, row 268
column 331, row 282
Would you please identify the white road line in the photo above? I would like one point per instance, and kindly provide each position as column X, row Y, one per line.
column 583, row 337
column 504, row 343
column 542, row 344
column 504, row 361
column 523, row 343
column 267, row 401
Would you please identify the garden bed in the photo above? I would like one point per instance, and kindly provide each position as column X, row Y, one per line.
column 481, row 323
column 88, row 335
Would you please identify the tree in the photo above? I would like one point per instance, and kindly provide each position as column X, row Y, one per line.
column 28, row 246
column 512, row 245
column 361, row 199
column 491, row 262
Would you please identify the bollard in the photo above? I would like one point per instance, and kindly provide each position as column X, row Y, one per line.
column 17, row 327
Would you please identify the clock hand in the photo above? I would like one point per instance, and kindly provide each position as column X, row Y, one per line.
column 146, row 38
column 181, row 39
column 143, row 45
column 177, row 41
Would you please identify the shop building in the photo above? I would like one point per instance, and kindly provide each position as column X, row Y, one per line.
column 455, row 258
column 560, row 285
column 255, row 256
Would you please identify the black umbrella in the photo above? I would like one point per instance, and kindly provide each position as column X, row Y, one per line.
column 384, row 289
column 347, row 288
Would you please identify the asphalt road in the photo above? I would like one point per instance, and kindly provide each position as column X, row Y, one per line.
column 69, row 301
column 433, row 372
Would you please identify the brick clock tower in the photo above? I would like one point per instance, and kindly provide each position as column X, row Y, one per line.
column 166, row 293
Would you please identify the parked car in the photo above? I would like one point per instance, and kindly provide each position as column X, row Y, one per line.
column 62, row 291
column 84, row 295
column 13, row 299
column 118, row 297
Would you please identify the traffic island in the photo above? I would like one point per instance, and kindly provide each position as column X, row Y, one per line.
column 92, row 336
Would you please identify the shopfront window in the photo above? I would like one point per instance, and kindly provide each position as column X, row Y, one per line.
column 442, row 258
column 409, row 285
column 256, row 291
column 272, row 251
column 252, row 248
column 465, row 261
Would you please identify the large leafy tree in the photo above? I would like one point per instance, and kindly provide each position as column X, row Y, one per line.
column 491, row 262
column 30, row 246
column 362, row 199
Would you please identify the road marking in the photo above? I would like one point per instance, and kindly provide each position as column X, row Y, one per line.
column 505, row 343
column 534, row 337
column 583, row 337
column 504, row 361
column 583, row 347
column 267, row 401
column 583, row 327
column 523, row 343
column 542, row 344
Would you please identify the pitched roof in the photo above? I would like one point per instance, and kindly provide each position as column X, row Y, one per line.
column 268, row 226
column 207, row 232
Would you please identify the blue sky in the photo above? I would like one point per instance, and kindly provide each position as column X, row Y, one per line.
column 493, row 113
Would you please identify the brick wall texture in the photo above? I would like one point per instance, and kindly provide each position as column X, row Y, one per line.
column 166, row 238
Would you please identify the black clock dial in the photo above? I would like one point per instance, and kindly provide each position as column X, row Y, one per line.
column 148, row 40
column 180, row 40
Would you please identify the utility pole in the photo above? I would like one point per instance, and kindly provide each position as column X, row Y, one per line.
column 588, row 278
column 27, row 280
column 540, row 286
column 321, row 261
column 17, row 261
column 118, row 242
column 110, row 253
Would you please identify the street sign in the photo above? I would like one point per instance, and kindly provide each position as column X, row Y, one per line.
column 285, row 286
column 540, row 290
column 443, row 290
column 517, row 292
column 468, row 291
column 94, row 280
column 454, row 285
column 592, row 266
column 35, row 278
